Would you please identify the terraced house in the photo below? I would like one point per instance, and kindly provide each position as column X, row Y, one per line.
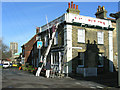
column 82, row 44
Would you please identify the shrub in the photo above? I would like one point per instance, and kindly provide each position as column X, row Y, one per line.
column 25, row 68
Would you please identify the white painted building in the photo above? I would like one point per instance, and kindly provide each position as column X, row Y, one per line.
column 82, row 44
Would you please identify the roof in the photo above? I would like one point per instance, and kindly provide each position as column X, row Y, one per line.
column 8, row 59
column 31, row 39
column 115, row 15
column 110, row 18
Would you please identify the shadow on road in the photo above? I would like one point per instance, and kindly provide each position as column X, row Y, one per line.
column 109, row 79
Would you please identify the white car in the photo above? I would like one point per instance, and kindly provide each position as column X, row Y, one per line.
column 6, row 65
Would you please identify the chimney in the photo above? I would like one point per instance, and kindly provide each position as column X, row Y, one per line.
column 101, row 12
column 71, row 4
column 72, row 9
column 37, row 29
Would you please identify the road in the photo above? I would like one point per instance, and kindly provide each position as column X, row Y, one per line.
column 14, row 78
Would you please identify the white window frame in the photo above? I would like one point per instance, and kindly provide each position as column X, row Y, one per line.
column 82, row 58
column 55, row 58
column 46, row 40
column 102, row 56
column 81, row 35
column 100, row 37
column 56, row 38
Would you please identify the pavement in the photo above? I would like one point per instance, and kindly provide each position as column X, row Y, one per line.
column 109, row 79
column 14, row 78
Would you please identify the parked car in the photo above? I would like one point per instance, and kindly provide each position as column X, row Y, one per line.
column 14, row 65
column 6, row 64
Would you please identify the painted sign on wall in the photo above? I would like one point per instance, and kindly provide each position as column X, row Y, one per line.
column 87, row 20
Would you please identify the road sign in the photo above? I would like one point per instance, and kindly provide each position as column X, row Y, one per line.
column 39, row 44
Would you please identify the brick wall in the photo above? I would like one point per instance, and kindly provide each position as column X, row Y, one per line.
column 28, row 47
column 91, row 35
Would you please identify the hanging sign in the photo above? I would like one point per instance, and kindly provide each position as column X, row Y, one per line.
column 39, row 44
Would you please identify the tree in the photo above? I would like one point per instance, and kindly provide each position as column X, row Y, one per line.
column 4, row 50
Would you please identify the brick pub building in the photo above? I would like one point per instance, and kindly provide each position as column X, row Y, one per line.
column 82, row 44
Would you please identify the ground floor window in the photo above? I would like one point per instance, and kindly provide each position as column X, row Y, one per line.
column 56, row 61
column 55, row 58
column 100, row 60
column 81, row 59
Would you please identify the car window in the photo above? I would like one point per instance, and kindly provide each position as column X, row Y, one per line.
column 5, row 63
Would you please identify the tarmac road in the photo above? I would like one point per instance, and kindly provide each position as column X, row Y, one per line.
column 14, row 78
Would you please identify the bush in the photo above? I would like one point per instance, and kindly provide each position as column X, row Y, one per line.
column 27, row 64
column 24, row 68
column 32, row 70
column 29, row 68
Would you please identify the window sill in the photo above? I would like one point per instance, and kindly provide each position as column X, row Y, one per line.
column 100, row 65
column 100, row 44
column 81, row 42
column 80, row 66
column 55, row 44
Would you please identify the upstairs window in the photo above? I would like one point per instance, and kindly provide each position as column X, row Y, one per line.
column 56, row 39
column 81, row 35
column 46, row 40
column 100, row 36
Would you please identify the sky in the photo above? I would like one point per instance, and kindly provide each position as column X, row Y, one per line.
column 19, row 19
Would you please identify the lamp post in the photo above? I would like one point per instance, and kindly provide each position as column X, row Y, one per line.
column 117, row 16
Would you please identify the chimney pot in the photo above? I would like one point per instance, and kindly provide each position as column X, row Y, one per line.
column 74, row 6
column 99, row 6
column 103, row 8
column 68, row 5
column 37, row 27
column 71, row 4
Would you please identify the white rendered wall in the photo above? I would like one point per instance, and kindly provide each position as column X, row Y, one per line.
column 68, row 45
column 111, row 51
column 59, row 62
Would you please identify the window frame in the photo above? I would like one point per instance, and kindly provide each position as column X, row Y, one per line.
column 56, row 38
column 100, row 37
column 81, row 35
column 46, row 40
